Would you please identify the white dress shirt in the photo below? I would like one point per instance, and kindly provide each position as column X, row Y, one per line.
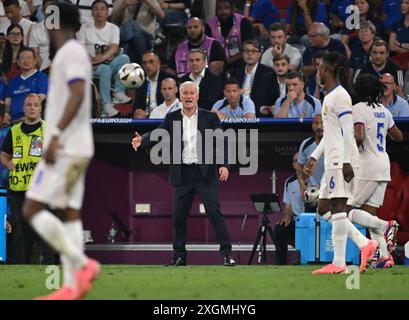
column 152, row 86
column 248, row 81
column 189, row 153
column 199, row 78
column 283, row 87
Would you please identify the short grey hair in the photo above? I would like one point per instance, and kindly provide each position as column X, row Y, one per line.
column 322, row 29
column 199, row 50
column 366, row 24
column 187, row 83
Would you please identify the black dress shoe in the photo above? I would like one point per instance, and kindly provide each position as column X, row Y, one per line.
column 229, row 261
column 177, row 263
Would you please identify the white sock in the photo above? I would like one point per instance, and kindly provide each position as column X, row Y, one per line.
column 340, row 229
column 356, row 236
column 52, row 230
column 366, row 219
column 327, row 216
column 75, row 233
column 377, row 235
column 68, row 272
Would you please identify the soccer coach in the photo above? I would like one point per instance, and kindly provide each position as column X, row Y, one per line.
column 190, row 176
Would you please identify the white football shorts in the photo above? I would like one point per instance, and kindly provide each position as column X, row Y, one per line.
column 59, row 185
column 333, row 185
column 368, row 192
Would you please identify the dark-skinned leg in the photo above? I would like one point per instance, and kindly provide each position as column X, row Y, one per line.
column 51, row 230
column 324, row 209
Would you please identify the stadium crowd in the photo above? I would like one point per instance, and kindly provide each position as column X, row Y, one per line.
column 252, row 58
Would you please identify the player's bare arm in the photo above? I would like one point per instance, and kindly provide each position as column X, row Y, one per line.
column 359, row 130
column 395, row 134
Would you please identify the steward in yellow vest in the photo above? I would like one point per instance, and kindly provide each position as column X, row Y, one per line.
column 21, row 151
column 26, row 146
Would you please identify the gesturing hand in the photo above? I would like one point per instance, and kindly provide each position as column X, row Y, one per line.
column 136, row 141
column 223, row 173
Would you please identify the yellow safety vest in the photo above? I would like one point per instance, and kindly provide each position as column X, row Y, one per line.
column 27, row 151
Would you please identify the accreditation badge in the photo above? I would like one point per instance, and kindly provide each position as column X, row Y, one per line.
column 36, row 146
column 18, row 152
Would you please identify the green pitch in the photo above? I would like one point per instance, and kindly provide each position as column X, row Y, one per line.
column 214, row 282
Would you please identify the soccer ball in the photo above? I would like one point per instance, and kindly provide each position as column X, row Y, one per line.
column 131, row 75
column 311, row 194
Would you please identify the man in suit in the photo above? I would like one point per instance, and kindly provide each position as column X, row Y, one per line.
column 210, row 84
column 189, row 174
column 148, row 96
column 250, row 76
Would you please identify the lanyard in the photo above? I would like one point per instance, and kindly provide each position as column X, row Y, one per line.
column 176, row 105
column 219, row 27
column 148, row 94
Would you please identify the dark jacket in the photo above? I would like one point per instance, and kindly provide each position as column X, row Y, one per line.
column 206, row 120
column 257, row 92
column 140, row 93
column 211, row 89
column 271, row 91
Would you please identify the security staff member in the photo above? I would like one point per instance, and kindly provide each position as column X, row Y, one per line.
column 20, row 152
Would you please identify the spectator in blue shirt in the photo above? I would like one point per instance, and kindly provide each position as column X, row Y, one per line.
column 29, row 81
column 399, row 38
column 313, row 86
column 398, row 106
column 234, row 105
column 366, row 12
column 302, row 13
column 284, row 230
column 391, row 13
column 360, row 50
column 263, row 13
column 319, row 40
column 338, row 13
column 296, row 104
column 3, row 91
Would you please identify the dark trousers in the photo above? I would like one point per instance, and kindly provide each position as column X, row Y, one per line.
column 282, row 235
column 182, row 204
column 21, row 240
